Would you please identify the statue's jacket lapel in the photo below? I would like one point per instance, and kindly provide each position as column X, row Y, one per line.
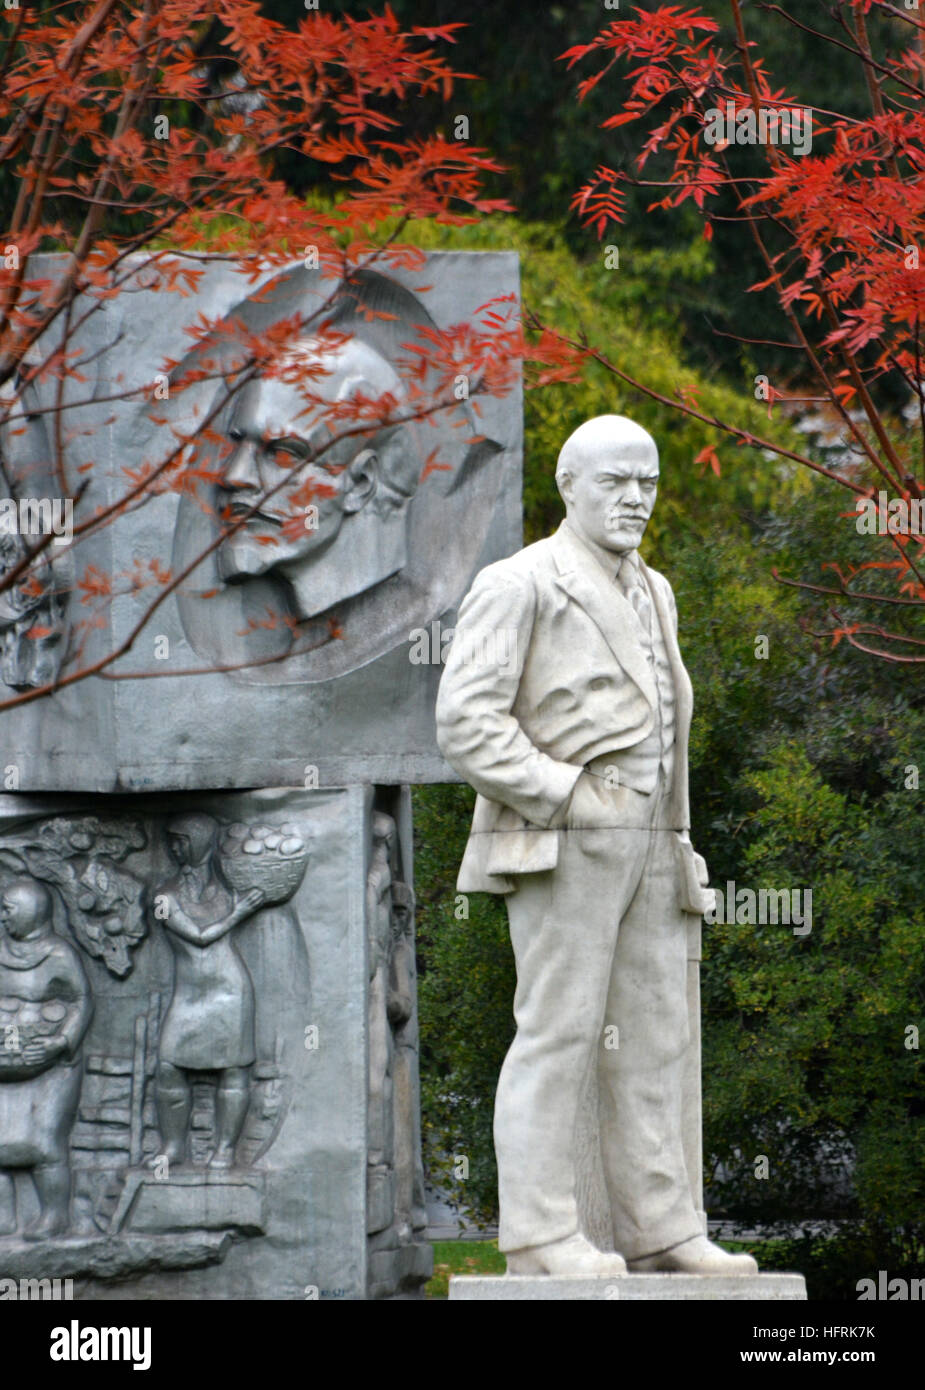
column 585, row 581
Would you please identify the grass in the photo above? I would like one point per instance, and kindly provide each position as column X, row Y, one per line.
column 462, row 1257
column 484, row 1257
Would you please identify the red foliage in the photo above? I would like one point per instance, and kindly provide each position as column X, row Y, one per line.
column 851, row 211
column 144, row 133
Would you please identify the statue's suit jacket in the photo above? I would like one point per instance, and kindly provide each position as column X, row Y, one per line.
column 578, row 684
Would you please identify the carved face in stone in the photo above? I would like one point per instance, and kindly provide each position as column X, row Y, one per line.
column 191, row 838
column 608, row 477
column 304, row 528
column 25, row 909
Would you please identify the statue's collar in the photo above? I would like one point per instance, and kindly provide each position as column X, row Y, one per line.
column 573, row 549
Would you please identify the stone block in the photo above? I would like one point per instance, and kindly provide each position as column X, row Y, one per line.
column 302, row 898
column 278, row 700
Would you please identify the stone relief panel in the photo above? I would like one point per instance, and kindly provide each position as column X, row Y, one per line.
column 35, row 606
column 81, row 858
column 392, row 539
column 33, row 617
column 45, row 1010
column 183, row 990
column 284, row 646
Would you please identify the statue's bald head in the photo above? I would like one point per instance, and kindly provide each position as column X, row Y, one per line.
column 607, row 473
column 605, row 437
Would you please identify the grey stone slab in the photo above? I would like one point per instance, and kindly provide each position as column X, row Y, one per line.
column 198, row 1201
column 208, row 1030
column 627, row 1288
column 314, row 709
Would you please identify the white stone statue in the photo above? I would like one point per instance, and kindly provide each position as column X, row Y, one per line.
column 576, row 743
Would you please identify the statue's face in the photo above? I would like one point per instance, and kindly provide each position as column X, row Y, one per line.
column 191, row 838
column 179, row 847
column 269, row 430
column 611, row 493
column 20, row 912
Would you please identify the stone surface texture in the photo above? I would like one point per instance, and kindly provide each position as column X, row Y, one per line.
column 211, row 1132
column 309, row 709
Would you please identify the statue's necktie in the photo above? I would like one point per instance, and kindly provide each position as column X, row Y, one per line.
column 634, row 591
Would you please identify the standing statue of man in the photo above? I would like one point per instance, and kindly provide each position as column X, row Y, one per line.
column 577, row 748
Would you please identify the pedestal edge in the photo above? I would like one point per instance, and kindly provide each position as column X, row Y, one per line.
column 521, row 1288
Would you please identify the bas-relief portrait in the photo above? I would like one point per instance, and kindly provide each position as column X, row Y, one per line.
column 375, row 536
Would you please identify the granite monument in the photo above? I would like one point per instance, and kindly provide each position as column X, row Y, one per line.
column 208, row 1019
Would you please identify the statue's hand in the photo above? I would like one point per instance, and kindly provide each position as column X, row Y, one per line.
column 249, row 902
column 590, row 805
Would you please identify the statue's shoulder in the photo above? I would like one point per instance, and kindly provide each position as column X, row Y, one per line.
column 521, row 568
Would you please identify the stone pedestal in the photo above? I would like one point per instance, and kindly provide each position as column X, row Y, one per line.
column 628, row 1288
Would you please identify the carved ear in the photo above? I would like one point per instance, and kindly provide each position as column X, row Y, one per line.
column 362, row 480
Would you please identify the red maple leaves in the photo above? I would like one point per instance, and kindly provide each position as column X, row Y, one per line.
column 146, row 138
column 847, row 208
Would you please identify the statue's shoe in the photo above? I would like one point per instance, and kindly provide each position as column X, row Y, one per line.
column 695, row 1256
column 573, row 1255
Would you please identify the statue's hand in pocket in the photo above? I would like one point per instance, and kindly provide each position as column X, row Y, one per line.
column 591, row 805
